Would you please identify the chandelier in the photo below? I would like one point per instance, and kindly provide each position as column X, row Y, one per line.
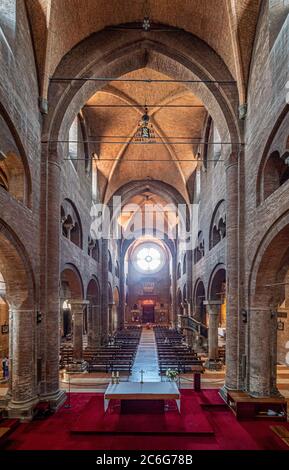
column 145, row 131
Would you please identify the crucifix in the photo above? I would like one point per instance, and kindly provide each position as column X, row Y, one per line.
column 141, row 376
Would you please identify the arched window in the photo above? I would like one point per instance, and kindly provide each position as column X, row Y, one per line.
column 94, row 180
column 93, row 248
column 179, row 271
column 217, row 144
column 14, row 168
column 185, row 293
column 109, row 262
column 199, row 251
column 185, row 264
column 70, row 223
column 77, row 144
column 117, row 269
column 73, row 138
column 218, row 224
column 275, row 173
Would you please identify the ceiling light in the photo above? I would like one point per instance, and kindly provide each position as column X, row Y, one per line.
column 145, row 132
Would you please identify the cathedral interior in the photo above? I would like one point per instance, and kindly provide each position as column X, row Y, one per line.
column 144, row 222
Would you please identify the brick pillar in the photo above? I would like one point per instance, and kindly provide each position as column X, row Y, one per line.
column 173, row 311
column 263, row 352
column 22, row 362
column 213, row 307
column 189, row 282
column 121, row 308
column 50, row 279
column 104, row 291
column 231, row 381
column 77, row 308
column 94, row 326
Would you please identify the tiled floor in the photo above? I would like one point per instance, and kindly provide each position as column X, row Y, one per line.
column 146, row 358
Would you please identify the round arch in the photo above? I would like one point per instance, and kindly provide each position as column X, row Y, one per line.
column 195, row 59
column 71, row 283
column 199, row 297
column 20, row 296
column 16, row 158
column 269, row 267
column 217, row 283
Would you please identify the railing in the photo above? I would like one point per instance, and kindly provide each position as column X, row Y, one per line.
column 189, row 323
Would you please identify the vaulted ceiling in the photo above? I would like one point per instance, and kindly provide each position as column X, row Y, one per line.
column 228, row 26
column 120, row 157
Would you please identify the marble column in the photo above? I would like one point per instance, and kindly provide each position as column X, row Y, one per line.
column 213, row 309
column 77, row 308
column 263, row 352
column 232, row 265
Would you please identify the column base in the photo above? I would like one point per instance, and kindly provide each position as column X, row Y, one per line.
column 223, row 392
column 274, row 393
column 55, row 400
column 213, row 364
column 22, row 410
column 77, row 367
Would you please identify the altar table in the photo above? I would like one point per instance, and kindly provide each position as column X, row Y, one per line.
column 134, row 391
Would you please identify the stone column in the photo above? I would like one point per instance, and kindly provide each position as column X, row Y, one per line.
column 104, row 291
column 121, row 309
column 22, row 363
column 213, row 307
column 231, row 381
column 94, row 326
column 173, row 319
column 263, row 352
column 77, row 308
column 189, row 282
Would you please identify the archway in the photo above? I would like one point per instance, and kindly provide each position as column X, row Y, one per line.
column 268, row 292
column 17, row 293
column 199, row 307
column 194, row 61
column 148, row 265
column 217, row 292
column 15, row 177
column 72, row 312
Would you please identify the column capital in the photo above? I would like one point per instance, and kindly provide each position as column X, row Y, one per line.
column 78, row 302
column 213, row 306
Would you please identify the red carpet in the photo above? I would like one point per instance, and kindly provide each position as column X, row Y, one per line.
column 191, row 420
column 54, row 433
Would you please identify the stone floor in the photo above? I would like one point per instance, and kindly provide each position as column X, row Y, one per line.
column 146, row 358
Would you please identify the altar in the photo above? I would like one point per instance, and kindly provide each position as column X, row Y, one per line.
column 129, row 393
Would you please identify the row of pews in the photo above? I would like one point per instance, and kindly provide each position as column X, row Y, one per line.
column 174, row 354
column 118, row 355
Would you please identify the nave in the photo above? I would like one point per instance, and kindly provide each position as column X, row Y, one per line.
column 144, row 222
